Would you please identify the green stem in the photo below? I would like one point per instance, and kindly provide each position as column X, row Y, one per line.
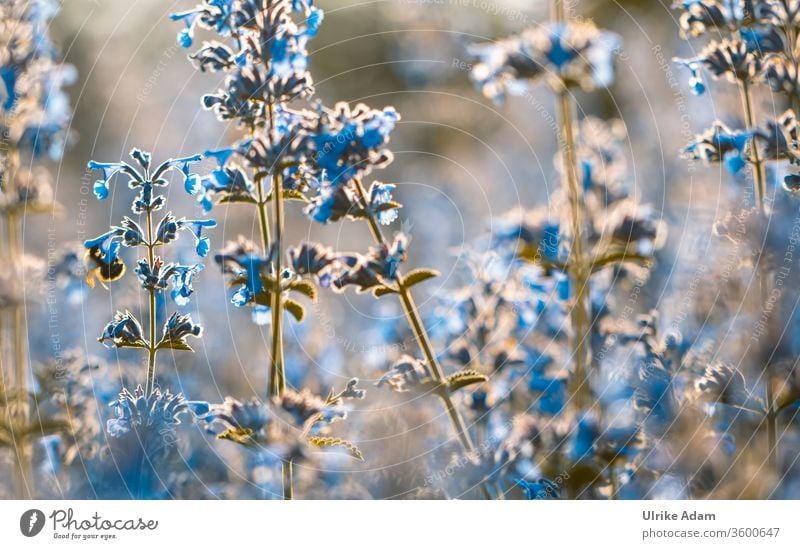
column 262, row 213
column 23, row 489
column 277, row 378
column 151, row 344
column 423, row 340
column 578, row 270
column 288, row 491
column 759, row 186
column 759, row 177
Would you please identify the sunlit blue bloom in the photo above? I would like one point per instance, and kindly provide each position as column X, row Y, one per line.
column 573, row 54
column 242, row 261
column 186, row 36
column 349, row 142
column 720, row 144
column 196, row 226
column 182, row 282
column 695, row 81
column 191, row 183
column 379, row 194
column 108, row 244
column 123, row 331
column 178, row 327
column 109, row 169
column 377, row 129
column 331, row 203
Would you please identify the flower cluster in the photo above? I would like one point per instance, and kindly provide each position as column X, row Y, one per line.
column 561, row 54
column 148, row 414
column 35, row 109
column 757, row 47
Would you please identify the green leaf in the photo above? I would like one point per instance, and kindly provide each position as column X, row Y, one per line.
column 294, row 194
column 391, row 205
column 295, row 309
column 305, row 287
column 131, row 344
column 240, row 436
column 464, row 378
column 175, row 345
column 419, row 275
column 331, row 442
column 237, row 198
column 381, row 291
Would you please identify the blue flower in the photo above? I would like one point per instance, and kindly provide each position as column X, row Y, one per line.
column 186, row 36
column 107, row 244
column 380, row 194
column 177, row 328
column 331, row 203
column 695, row 81
column 109, row 169
column 720, row 144
column 123, row 331
column 190, row 179
column 241, row 261
column 182, row 282
column 196, row 226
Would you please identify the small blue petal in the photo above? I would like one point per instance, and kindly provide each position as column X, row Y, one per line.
column 101, row 189
column 203, row 246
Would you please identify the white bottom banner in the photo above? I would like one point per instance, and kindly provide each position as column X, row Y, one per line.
column 371, row 524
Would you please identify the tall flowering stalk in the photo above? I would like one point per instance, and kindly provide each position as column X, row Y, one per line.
column 758, row 46
column 566, row 55
column 34, row 122
column 266, row 60
column 149, row 413
column 591, row 230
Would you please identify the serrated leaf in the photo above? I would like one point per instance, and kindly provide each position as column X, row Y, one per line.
column 386, row 206
column 129, row 345
column 306, row 288
column 295, row 309
column 331, row 442
column 419, row 275
column 174, row 345
column 464, row 378
column 381, row 291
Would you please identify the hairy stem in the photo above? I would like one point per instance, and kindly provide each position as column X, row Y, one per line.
column 423, row 340
column 759, row 186
column 277, row 375
column 277, row 378
column 759, row 176
column 151, row 344
column 23, row 489
column 263, row 223
column 578, row 269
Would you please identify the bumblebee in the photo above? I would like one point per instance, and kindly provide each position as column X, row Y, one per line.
column 98, row 269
